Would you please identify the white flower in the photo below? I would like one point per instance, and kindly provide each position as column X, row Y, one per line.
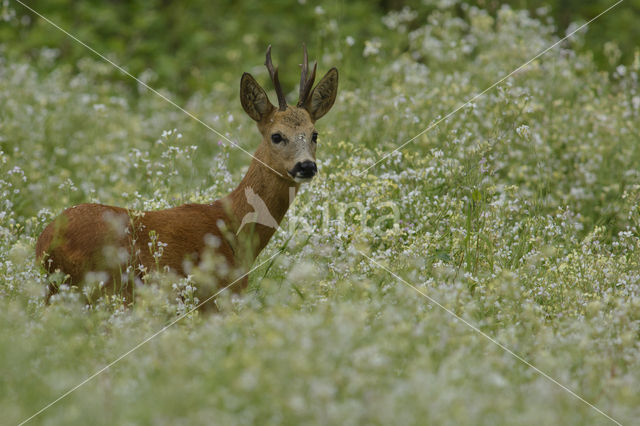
column 523, row 131
column 371, row 47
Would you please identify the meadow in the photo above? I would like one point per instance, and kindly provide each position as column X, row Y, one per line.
column 519, row 214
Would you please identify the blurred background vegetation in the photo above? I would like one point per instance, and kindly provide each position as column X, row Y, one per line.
column 188, row 47
column 520, row 213
column 613, row 42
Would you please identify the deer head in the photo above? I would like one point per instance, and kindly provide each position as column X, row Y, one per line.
column 289, row 136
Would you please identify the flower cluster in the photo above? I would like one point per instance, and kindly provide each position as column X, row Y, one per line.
column 518, row 213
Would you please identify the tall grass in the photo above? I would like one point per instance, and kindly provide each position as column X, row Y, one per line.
column 519, row 213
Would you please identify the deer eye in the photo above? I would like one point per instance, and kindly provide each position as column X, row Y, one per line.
column 314, row 137
column 276, row 138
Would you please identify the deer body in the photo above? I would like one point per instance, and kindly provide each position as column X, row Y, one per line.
column 96, row 237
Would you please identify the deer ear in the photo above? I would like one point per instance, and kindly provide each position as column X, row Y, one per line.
column 323, row 95
column 253, row 98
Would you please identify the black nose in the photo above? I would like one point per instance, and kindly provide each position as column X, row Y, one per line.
column 305, row 169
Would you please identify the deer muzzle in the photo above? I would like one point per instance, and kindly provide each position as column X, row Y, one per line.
column 304, row 171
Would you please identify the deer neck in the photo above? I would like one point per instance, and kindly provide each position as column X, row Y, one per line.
column 259, row 203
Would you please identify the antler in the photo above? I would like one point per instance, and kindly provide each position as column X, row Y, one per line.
column 282, row 102
column 306, row 84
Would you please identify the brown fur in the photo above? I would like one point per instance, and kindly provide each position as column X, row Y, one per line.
column 76, row 241
column 96, row 237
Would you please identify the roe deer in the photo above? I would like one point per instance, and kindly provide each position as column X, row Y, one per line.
column 96, row 237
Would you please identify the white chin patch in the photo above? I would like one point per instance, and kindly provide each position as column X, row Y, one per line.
column 302, row 180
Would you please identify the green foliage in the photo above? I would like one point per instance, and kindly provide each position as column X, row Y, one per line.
column 186, row 46
column 519, row 213
column 612, row 41
column 615, row 37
